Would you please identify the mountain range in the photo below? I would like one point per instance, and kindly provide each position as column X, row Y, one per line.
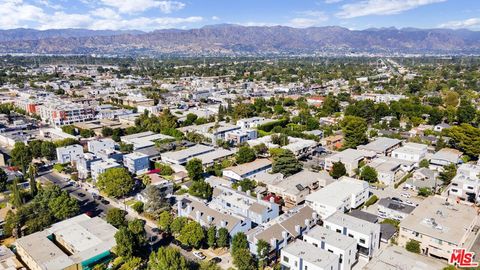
column 230, row 40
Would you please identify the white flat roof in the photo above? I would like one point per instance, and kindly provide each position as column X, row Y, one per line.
column 335, row 193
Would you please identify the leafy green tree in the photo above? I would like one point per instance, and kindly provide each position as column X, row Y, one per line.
column 167, row 258
column 63, row 206
column 32, row 173
column 243, row 259
column 448, row 174
column 156, row 200
column 3, row 180
column 48, row 150
column 133, row 263
column 413, row 246
column 35, row 147
column 209, row 265
column 466, row 112
column 201, row 189
column 165, row 221
column 369, row 174
column 192, row 234
column 177, row 224
column 116, row 217
column 286, row 163
column 424, row 163
column 222, row 238
column 195, row 169
column 137, row 227
column 212, row 236
column 465, row 138
column 260, row 149
column 338, row 170
column 107, row 132
column 21, row 156
column 125, row 240
column 424, row 192
column 245, row 154
column 246, row 184
column 239, row 241
column 115, row 182
column 263, row 250
column 17, row 199
column 355, row 131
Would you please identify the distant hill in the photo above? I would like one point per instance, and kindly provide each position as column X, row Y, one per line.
column 229, row 39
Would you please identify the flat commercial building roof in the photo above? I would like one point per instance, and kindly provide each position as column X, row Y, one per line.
column 440, row 219
column 394, row 258
column 330, row 237
column 82, row 236
column 335, row 193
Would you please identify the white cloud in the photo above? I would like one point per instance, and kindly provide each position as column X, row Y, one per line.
column 309, row 18
column 47, row 3
column 64, row 20
column 215, row 18
column 381, row 7
column 332, row 1
column 143, row 23
column 468, row 23
column 105, row 13
column 134, row 6
column 16, row 13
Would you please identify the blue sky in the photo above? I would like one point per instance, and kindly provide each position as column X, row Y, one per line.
column 149, row 15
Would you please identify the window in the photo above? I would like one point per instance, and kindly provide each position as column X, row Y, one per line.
column 362, row 241
column 285, row 259
column 350, row 235
column 315, row 244
column 339, row 231
column 306, row 268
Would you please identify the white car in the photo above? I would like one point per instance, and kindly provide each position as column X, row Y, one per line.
column 199, row 255
column 406, row 195
column 407, row 202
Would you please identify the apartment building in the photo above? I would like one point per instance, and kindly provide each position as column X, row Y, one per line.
column 342, row 195
column 382, row 146
column 61, row 112
column 283, row 229
column 388, row 208
column 466, row 183
column 366, row 234
column 343, row 246
column 411, row 152
column 242, row 203
column 350, row 158
column 182, row 156
column 293, row 189
column 136, row 162
column 444, row 157
column 200, row 212
column 102, row 166
column 440, row 225
column 70, row 153
column 76, row 243
column 240, row 136
column 300, row 255
column 247, row 170
column 95, row 146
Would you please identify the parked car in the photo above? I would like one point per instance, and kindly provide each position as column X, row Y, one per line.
column 407, row 202
column 405, row 194
column 81, row 195
column 216, row 260
column 105, row 202
column 405, row 188
column 396, row 199
column 199, row 255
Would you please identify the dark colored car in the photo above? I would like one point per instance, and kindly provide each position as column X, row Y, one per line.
column 216, row 260
column 81, row 195
column 105, row 202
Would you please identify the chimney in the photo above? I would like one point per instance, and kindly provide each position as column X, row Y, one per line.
column 197, row 216
column 223, row 224
column 249, row 193
column 285, row 238
column 209, row 219
column 272, row 199
column 314, row 216
column 189, row 209
column 239, row 188
column 297, row 229
column 307, row 225
column 273, row 243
